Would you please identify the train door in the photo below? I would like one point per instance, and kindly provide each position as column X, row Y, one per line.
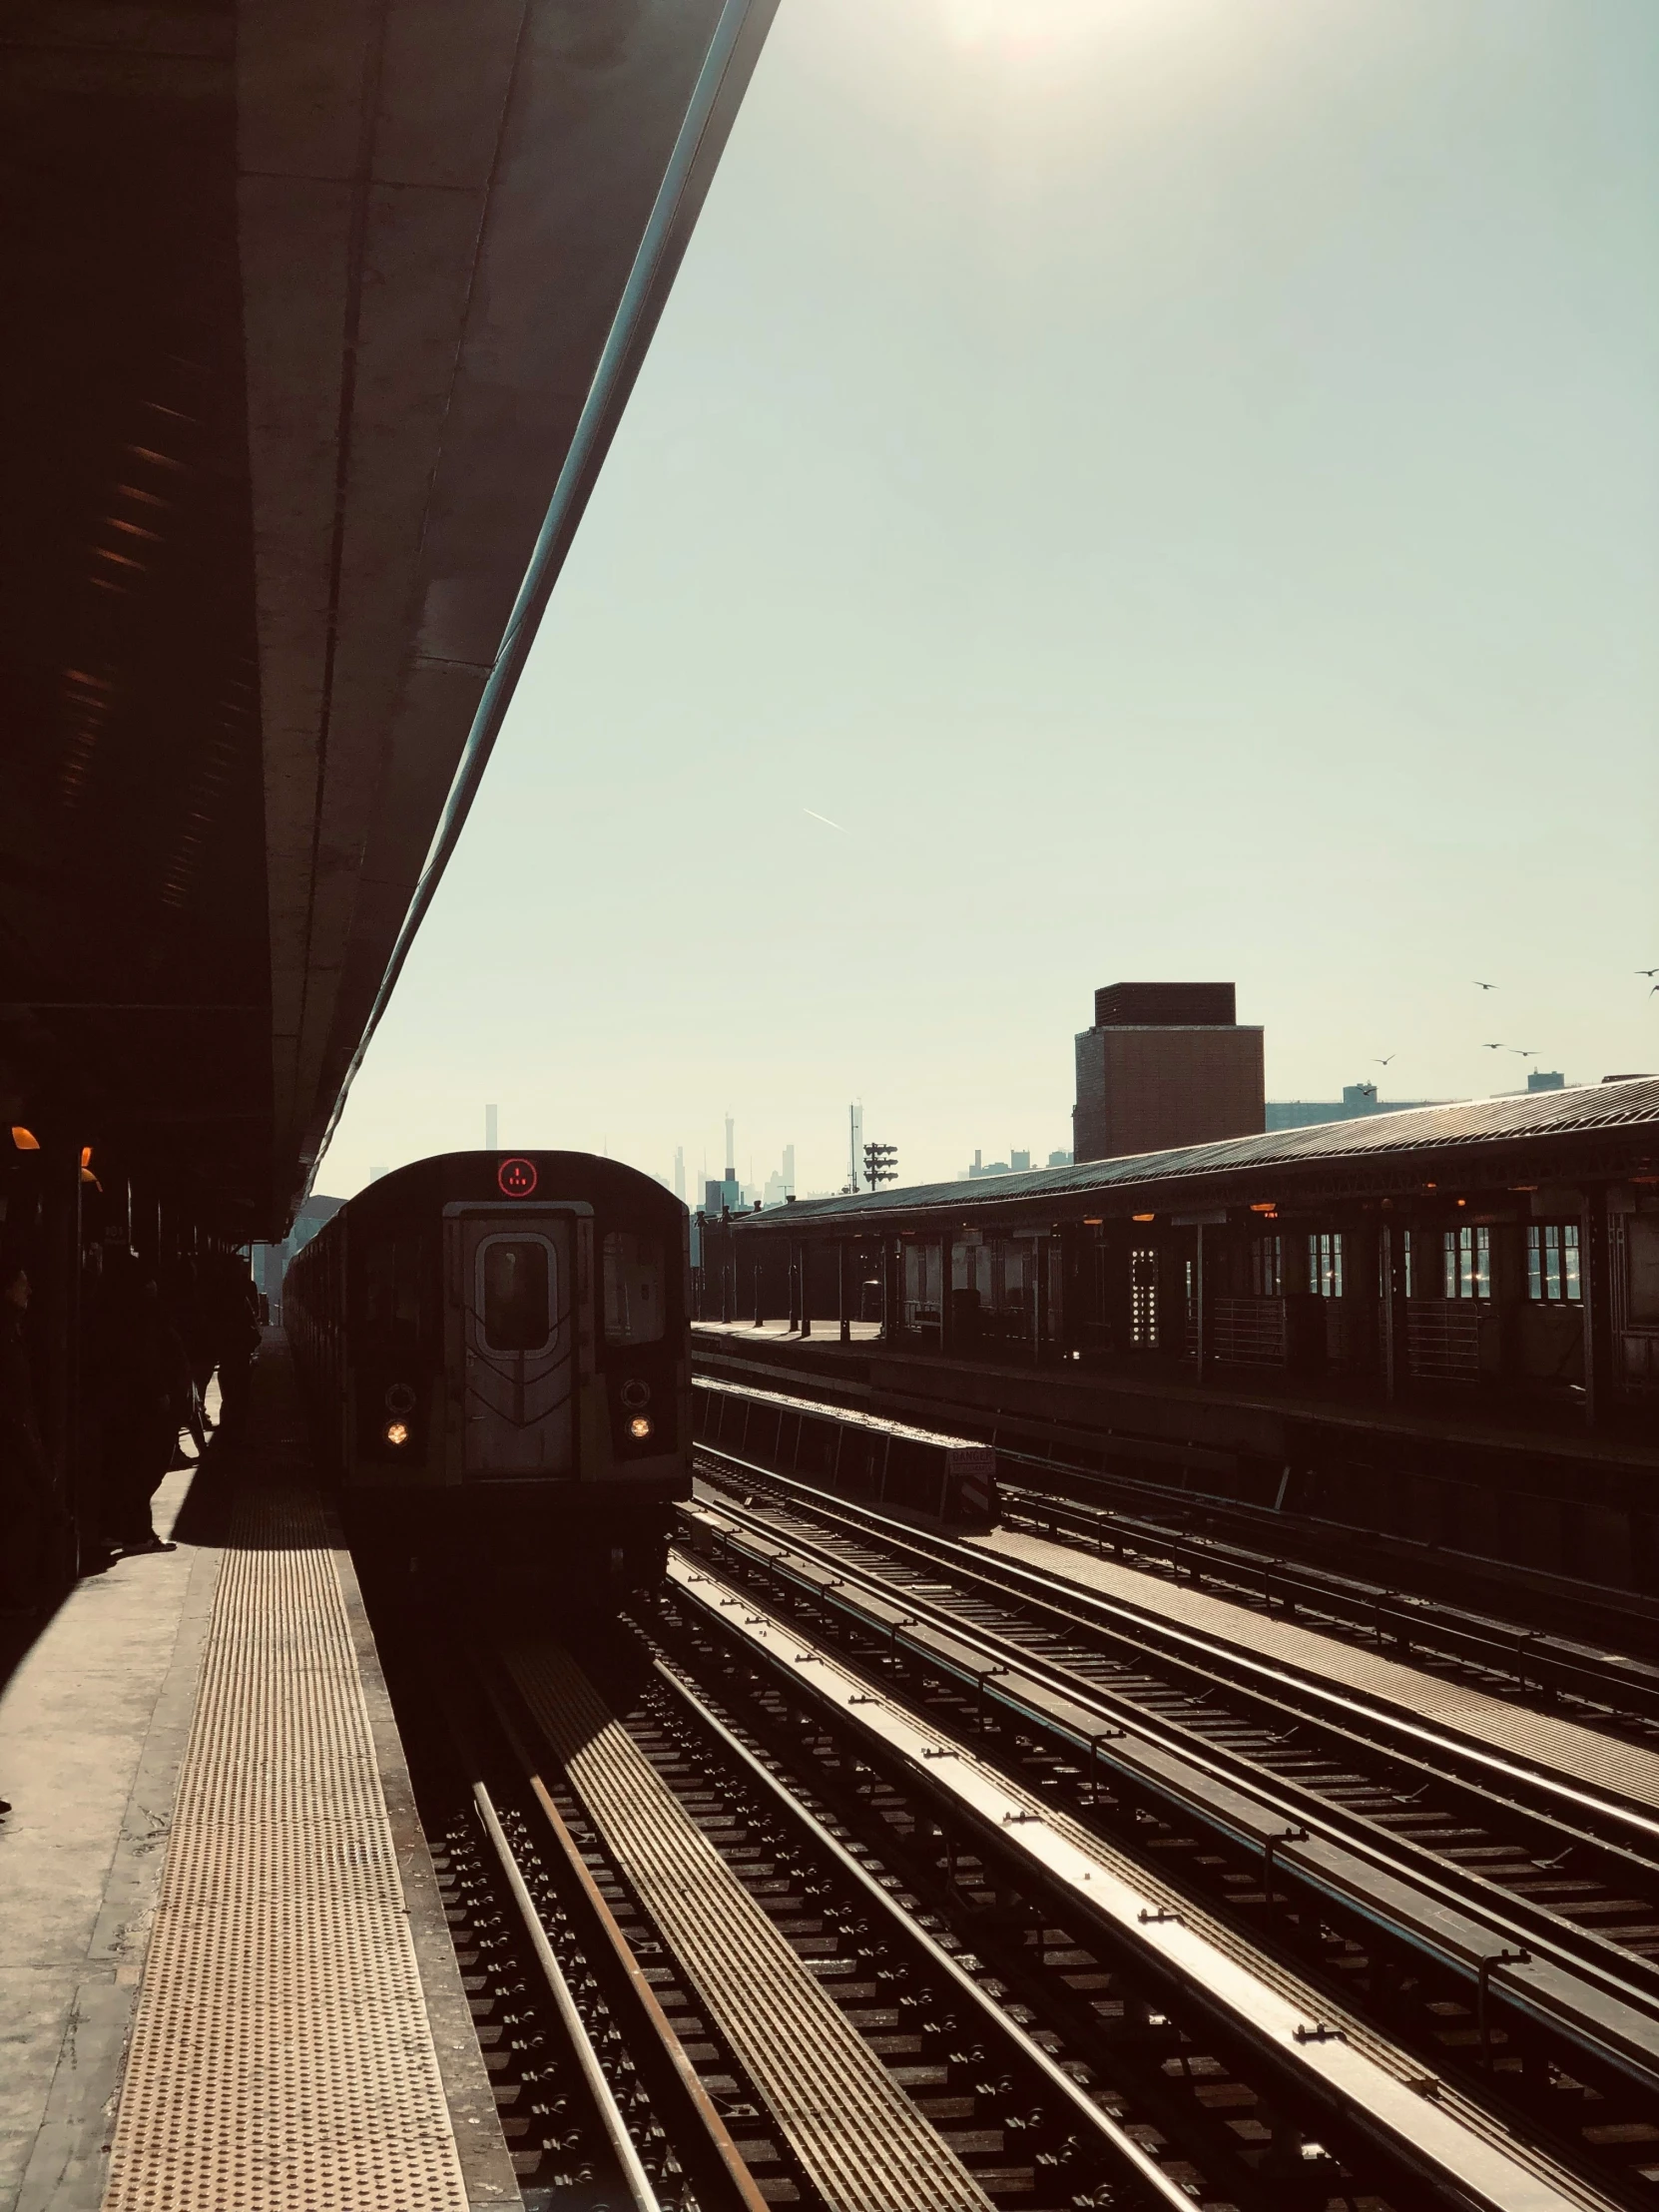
column 516, row 1298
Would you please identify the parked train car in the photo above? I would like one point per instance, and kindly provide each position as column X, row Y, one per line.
column 494, row 1354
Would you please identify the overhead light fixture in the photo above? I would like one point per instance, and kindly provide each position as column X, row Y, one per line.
column 1143, row 1217
column 25, row 1139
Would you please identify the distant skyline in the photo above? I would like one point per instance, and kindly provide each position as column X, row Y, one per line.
column 1120, row 490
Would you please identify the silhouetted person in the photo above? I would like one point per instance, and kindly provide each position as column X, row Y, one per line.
column 236, row 1328
column 194, row 1307
column 148, row 1395
column 26, row 1502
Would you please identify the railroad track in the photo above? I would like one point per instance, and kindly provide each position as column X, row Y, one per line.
column 1266, row 2091
column 1609, row 1689
column 1452, row 1606
column 664, row 2056
column 1445, row 1881
column 1055, row 2031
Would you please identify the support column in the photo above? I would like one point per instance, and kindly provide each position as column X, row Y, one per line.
column 1592, row 1261
column 1198, row 1292
column 1386, row 1318
column 841, row 1256
column 795, row 1287
column 947, row 1295
column 760, row 1304
column 59, row 1340
column 805, row 1289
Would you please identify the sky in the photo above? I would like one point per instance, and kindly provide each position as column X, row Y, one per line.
column 1122, row 489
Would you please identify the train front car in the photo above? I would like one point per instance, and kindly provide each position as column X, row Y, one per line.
column 499, row 1349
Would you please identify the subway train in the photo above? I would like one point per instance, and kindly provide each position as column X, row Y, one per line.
column 493, row 1349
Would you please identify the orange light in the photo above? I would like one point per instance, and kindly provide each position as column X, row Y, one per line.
column 25, row 1139
column 396, row 1432
column 1431, row 1185
column 1462, row 1202
column 86, row 1155
column 1094, row 1221
column 1264, row 1206
column 639, row 1429
column 1143, row 1217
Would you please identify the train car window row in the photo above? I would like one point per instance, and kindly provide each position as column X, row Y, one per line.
column 635, row 1303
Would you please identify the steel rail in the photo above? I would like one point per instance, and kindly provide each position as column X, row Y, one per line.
column 1539, row 1658
column 715, row 2157
column 1086, row 1608
column 1592, row 2012
column 1408, row 1893
column 1343, row 2063
column 1144, row 2171
column 641, row 2194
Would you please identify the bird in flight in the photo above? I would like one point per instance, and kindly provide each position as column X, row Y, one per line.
column 1525, row 1050
column 1382, row 1063
column 1647, row 972
column 1480, row 987
column 1498, row 1048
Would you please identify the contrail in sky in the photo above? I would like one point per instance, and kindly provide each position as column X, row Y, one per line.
column 823, row 819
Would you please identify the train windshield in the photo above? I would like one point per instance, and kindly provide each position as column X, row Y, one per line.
column 633, row 1289
column 515, row 1305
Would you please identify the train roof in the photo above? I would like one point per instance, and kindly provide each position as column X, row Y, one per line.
column 1614, row 1125
column 478, row 1175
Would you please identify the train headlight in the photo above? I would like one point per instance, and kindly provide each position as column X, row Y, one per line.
column 397, row 1432
column 639, row 1429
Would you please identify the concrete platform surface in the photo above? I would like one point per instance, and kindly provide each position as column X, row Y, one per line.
column 196, row 1745
column 93, row 1725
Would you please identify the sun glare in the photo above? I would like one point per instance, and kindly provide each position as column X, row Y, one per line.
column 1043, row 29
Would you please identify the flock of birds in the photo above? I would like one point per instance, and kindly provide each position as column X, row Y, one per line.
column 1525, row 1051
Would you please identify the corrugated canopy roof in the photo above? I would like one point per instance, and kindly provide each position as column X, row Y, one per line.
column 1494, row 1123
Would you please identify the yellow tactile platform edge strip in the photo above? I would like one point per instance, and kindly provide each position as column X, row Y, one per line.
column 281, row 2053
column 854, row 2129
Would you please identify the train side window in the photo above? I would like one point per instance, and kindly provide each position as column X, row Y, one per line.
column 1642, row 1242
column 391, row 1289
column 515, row 1293
column 634, row 1299
column 380, row 1286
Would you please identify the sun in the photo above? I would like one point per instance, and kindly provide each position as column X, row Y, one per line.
column 1053, row 28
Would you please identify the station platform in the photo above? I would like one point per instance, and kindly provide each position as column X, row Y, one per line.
column 225, row 1974
column 1542, row 1741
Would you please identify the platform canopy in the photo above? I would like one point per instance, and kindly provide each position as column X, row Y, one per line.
column 321, row 314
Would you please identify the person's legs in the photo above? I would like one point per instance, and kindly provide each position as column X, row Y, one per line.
column 142, row 1454
column 235, row 1378
column 20, row 1547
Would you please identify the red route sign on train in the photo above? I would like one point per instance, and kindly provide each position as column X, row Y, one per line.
column 517, row 1177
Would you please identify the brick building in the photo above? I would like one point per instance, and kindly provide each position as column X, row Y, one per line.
column 1165, row 1064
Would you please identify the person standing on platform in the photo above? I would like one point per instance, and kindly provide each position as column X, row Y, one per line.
column 236, row 1340
column 150, row 1396
column 26, row 1502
